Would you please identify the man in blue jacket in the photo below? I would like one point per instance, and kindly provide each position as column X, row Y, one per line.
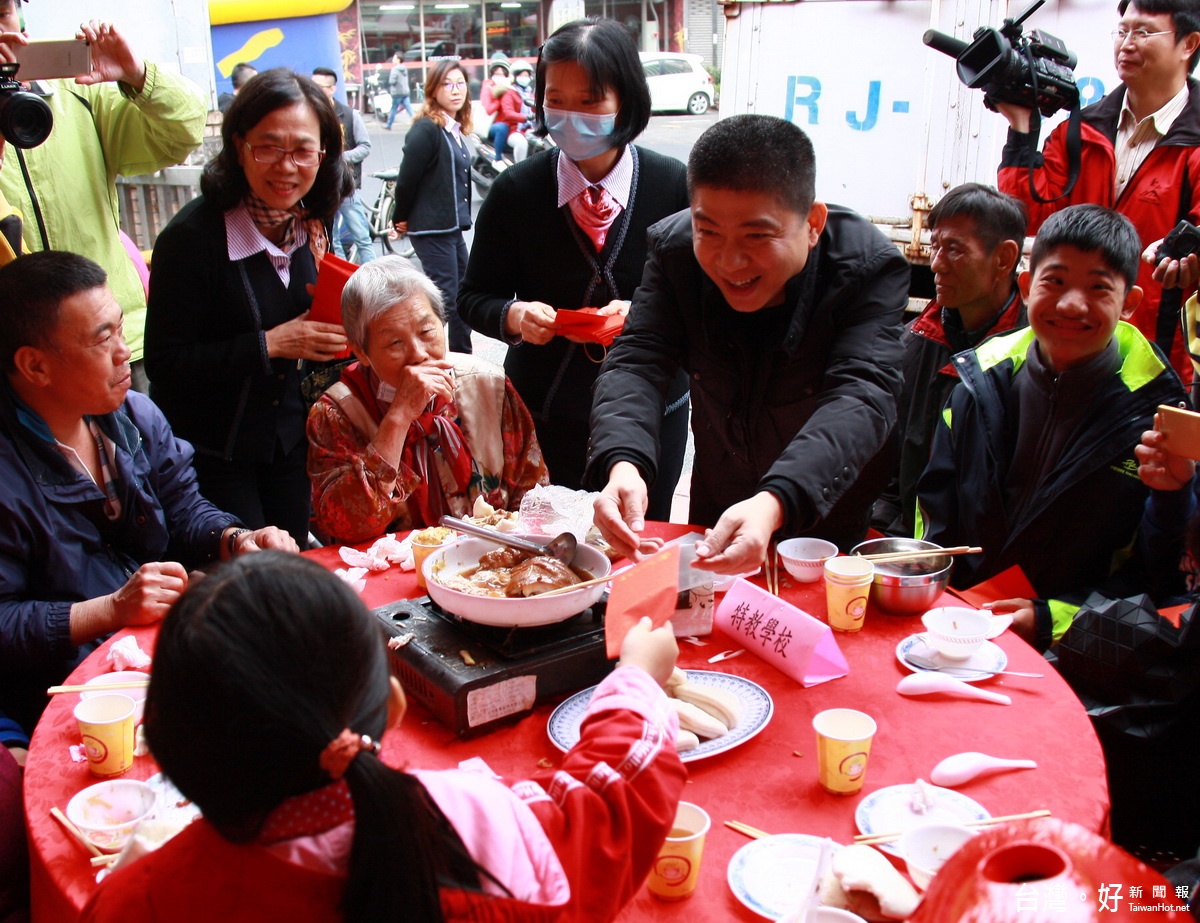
column 100, row 516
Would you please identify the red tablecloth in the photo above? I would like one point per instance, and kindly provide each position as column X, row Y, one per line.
column 769, row 782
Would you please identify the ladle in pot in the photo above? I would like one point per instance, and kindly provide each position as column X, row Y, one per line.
column 562, row 547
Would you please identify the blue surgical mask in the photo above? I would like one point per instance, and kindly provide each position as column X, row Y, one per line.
column 580, row 135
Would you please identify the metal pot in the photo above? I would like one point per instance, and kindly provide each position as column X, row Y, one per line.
column 909, row 587
column 524, row 612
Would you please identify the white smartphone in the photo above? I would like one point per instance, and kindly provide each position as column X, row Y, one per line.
column 56, row 58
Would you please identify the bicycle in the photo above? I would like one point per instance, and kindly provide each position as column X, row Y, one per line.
column 380, row 215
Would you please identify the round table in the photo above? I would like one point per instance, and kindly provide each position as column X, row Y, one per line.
column 769, row 781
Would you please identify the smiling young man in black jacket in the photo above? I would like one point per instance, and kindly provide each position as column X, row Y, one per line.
column 785, row 312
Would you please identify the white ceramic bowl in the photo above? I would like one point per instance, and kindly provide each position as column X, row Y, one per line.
column 107, row 812
column 926, row 849
column 804, row 558
column 509, row 613
column 955, row 632
column 138, row 694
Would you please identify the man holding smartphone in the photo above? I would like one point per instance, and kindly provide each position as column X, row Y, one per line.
column 126, row 116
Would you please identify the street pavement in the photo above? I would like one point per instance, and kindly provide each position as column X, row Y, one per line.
column 672, row 134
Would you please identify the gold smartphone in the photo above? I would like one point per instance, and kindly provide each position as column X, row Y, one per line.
column 51, row 59
column 1180, row 429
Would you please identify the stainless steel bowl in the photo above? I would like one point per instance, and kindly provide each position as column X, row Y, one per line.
column 908, row 587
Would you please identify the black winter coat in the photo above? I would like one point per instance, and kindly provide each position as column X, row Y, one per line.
column 803, row 419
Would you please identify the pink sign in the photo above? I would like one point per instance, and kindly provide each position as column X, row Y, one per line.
column 788, row 638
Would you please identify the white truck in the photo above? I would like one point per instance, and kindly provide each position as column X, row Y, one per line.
column 892, row 124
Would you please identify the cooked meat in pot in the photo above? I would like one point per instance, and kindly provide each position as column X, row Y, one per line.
column 539, row 575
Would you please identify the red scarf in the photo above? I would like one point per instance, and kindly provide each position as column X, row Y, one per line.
column 434, row 447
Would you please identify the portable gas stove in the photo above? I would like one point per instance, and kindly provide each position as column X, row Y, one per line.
column 471, row 676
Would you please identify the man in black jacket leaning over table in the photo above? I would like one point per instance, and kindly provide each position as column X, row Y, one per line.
column 786, row 314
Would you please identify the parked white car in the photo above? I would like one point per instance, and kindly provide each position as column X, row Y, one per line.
column 678, row 82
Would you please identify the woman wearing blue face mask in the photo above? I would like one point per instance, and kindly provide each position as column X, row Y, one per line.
column 584, row 210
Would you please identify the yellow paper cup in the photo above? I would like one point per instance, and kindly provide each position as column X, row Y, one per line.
column 847, row 586
column 843, row 745
column 106, row 725
column 422, row 550
column 677, row 868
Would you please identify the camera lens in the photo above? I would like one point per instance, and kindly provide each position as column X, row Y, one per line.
column 25, row 119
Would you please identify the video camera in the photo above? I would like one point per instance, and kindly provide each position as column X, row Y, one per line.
column 25, row 119
column 1035, row 70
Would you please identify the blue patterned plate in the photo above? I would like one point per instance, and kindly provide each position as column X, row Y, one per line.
column 890, row 810
column 757, row 708
column 775, row 875
column 983, row 664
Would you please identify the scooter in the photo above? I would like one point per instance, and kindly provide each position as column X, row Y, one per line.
column 379, row 97
column 483, row 162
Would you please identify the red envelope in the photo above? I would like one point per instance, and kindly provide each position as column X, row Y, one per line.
column 332, row 277
column 1008, row 584
column 648, row 588
column 587, row 325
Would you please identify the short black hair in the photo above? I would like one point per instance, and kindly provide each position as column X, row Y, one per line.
column 1185, row 14
column 1091, row 229
column 325, row 72
column 241, row 73
column 609, row 56
column 34, row 287
column 756, row 153
column 224, row 182
column 997, row 216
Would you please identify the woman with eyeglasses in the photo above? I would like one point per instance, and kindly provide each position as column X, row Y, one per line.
column 433, row 190
column 228, row 339
column 585, row 207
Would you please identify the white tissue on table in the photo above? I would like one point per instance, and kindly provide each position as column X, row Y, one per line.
column 355, row 576
column 553, row 509
column 126, row 655
column 385, row 552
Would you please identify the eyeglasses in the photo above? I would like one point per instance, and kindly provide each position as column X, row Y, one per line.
column 269, row 153
column 453, row 85
column 1120, row 36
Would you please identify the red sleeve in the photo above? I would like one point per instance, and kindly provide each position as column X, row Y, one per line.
column 510, row 109
column 611, row 805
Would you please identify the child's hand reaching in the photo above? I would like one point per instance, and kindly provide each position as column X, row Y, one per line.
column 652, row 649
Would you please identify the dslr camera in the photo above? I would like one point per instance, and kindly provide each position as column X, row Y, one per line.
column 1035, row 71
column 25, row 119
column 1184, row 240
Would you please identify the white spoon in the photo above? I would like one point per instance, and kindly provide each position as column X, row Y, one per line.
column 929, row 683
column 963, row 767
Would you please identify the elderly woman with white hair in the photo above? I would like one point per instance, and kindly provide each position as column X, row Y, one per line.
column 412, row 431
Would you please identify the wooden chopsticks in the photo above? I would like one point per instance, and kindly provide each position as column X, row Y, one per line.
column 870, row 839
column 891, row 556
column 100, row 687
column 59, row 816
column 772, row 569
column 746, row 830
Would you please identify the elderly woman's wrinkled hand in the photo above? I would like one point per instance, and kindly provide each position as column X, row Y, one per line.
column 420, row 383
column 301, row 338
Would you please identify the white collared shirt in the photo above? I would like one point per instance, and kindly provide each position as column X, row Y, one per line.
column 1135, row 140
column 244, row 239
column 618, row 181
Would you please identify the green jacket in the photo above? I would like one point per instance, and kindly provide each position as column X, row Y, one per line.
column 100, row 132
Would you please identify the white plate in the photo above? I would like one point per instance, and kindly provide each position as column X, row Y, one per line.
column 889, row 810
column 775, row 875
column 983, row 664
column 757, row 708
column 173, row 807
